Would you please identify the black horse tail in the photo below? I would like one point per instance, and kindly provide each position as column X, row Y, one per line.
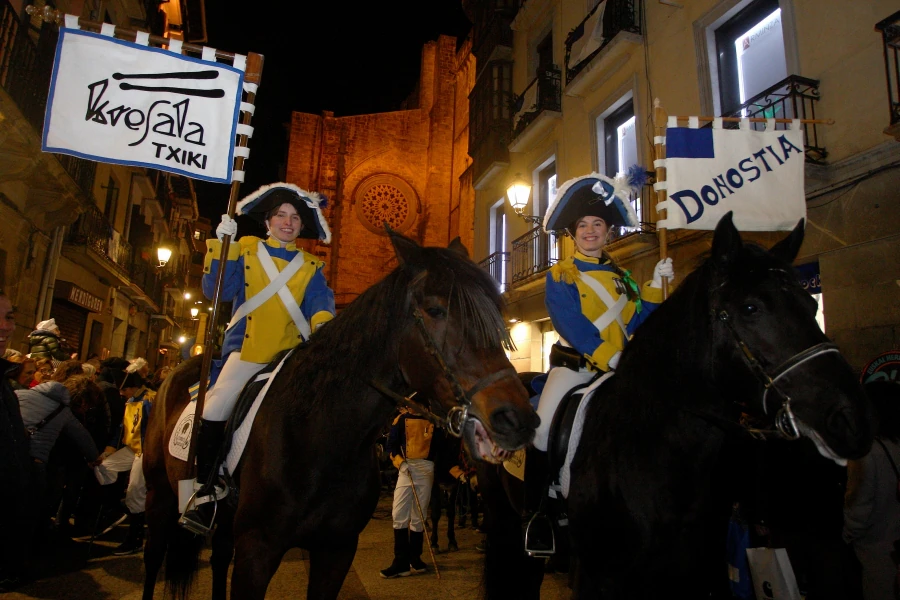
column 182, row 562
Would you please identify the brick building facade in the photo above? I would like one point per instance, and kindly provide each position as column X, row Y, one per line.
column 409, row 168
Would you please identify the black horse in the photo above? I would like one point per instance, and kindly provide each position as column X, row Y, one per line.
column 645, row 510
column 309, row 474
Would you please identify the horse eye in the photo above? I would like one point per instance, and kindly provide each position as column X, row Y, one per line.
column 748, row 309
column 436, row 312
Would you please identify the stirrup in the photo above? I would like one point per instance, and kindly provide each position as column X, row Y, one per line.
column 542, row 521
column 197, row 527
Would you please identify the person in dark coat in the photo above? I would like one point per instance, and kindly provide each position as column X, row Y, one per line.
column 872, row 501
column 44, row 342
column 15, row 465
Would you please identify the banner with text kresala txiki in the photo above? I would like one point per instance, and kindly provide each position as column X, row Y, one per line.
column 758, row 175
column 119, row 102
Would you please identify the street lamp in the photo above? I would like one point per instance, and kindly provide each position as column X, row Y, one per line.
column 181, row 339
column 163, row 254
column 518, row 193
column 194, row 312
column 187, row 295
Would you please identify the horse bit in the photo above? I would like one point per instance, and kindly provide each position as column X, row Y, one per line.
column 785, row 422
column 457, row 416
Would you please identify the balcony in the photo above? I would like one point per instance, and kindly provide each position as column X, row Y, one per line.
column 494, row 41
column 601, row 43
column 538, row 108
column 890, row 36
column 146, row 286
column 25, row 70
column 93, row 242
column 794, row 97
column 497, row 265
column 490, row 106
column 532, row 254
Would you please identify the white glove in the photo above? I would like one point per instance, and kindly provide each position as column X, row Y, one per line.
column 473, row 482
column 614, row 361
column 228, row 227
column 665, row 269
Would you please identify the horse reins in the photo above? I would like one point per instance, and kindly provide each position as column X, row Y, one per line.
column 785, row 422
column 455, row 419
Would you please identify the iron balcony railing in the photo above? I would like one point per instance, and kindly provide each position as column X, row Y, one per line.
column 793, row 97
column 145, row 275
column 25, row 70
column 94, row 231
column 534, row 252
column 611, row 17
column 543, row 93
column 890, row 36
column 497, row 265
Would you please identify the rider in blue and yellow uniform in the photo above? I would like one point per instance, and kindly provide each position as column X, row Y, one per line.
column 280, row 297
column 593, row 304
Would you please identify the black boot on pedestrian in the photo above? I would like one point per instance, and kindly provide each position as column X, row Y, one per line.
column 400, row 566
column 134, row 540
column 416, row 565
column 200, row 513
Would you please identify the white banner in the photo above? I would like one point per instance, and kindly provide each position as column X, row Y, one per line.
column 118, row 102
column 758, row 175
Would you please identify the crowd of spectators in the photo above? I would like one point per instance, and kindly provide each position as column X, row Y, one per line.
column 70, row 410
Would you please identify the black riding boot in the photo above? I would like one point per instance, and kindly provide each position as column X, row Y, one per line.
column 400, row 566
column 538, row 526
column 416, row 565
column 199, row 517
column 134, row 539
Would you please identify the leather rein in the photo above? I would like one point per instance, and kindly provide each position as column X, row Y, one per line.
column 455, row 419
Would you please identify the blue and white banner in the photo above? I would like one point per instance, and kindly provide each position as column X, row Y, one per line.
column 758, row 175
column 120, row 102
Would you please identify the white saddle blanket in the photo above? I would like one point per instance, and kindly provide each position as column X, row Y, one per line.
column 180, row 440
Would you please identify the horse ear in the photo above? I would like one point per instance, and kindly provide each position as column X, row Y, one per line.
column 726, row 241
column 407, row 250
column 457, row 246
column 788, row 248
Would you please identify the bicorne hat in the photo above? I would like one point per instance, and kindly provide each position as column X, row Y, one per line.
column 308, row 204
column 591, row 195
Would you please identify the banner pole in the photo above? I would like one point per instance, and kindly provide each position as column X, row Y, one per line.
column 253, row 75
column 660, row 119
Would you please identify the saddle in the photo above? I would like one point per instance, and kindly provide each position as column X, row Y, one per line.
column 241, row 409
column 542, row 480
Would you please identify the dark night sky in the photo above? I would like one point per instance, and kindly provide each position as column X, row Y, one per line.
column 350, row 58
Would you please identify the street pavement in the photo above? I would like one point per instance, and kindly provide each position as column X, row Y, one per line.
column 67, row 572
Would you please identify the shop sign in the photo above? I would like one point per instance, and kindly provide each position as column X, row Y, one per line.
column 884, row 367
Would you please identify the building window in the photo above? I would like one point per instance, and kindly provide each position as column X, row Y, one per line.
column 618, row 143
column 498, row 236
column 491, row 101
column 750, row 53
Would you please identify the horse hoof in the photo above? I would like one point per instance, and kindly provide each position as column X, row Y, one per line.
column 452, row 547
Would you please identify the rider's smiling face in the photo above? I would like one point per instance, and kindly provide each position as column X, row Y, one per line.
column 285, row 225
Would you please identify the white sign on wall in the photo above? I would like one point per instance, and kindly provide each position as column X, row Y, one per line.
column 119, row 102
column 757, row 175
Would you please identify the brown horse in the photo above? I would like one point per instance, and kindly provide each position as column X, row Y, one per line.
column 309, row 476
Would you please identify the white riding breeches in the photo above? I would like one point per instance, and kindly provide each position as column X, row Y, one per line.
column 405, row 512
column 559, row 381
column 124, row 459
column 224, row 394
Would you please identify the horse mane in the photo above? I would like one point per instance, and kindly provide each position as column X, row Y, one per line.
column 362, row 341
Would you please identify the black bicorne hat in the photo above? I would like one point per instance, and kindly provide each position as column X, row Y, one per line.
column 308, row 204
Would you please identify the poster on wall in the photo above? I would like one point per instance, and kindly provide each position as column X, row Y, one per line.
column 120, row 102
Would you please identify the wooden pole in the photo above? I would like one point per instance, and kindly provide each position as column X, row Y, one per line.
column 252, row 74
column 660, row 120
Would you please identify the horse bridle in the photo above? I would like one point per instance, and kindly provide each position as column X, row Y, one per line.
column 455, row 419
column 785, row 422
